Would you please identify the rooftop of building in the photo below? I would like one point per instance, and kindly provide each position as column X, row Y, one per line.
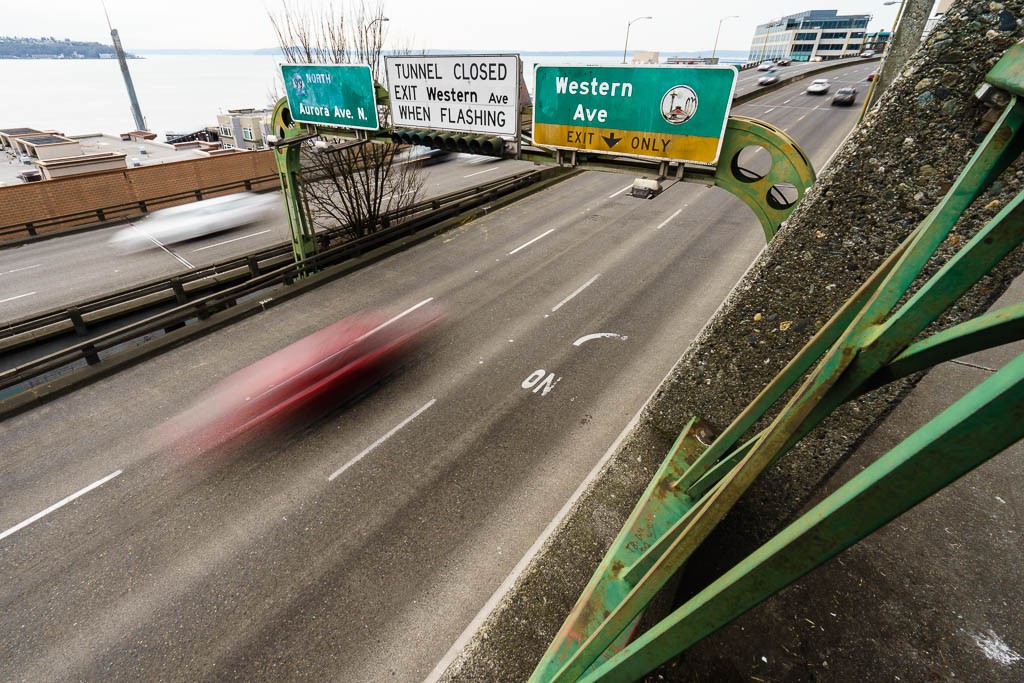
column 147, row 152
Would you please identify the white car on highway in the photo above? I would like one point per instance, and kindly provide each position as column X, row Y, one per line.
column 819, row 86
column 189, row 221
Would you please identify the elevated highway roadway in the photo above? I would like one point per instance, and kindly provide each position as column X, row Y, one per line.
column 360, row 549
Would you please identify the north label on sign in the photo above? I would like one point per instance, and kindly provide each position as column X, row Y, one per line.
column 336, row 95
column 663, row 112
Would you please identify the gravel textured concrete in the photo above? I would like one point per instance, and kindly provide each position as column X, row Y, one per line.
column 884, row 180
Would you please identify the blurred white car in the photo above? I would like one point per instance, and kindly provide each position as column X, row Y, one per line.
column 819, row 86
column 188, row 221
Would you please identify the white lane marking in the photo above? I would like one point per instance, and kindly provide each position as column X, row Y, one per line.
column 524, row 246
column 769, row 111
column 160, row 244
column 666, row 221
column 486, row 170
column 20, row 296
column 381, row 440
column 211, row 246
column 55, row 506
column 598, row 335
column 613, row 196
column 18, row 270
column 573, row 295
column 788, row 101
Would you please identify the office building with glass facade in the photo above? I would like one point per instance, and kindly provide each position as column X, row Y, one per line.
column 815, row 34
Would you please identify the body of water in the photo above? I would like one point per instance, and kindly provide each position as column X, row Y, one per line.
column 177, row 93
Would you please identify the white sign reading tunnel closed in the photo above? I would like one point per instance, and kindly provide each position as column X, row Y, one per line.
column 464, row 93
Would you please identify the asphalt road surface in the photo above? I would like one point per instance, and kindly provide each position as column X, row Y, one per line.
column 360, row 549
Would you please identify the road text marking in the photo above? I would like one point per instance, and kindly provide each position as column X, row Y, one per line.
column 573, row 295
column 541, row 380
column 55, row 506
column 381, row 440
column 524, row 246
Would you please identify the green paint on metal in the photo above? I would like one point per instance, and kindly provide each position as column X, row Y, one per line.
column 289, row 168
column 773, row 196
column 978, row 426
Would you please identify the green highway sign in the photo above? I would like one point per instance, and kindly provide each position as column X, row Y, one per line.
column 675, row 113
column 331, row 94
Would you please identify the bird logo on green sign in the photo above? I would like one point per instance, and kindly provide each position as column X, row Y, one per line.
column 299, row 85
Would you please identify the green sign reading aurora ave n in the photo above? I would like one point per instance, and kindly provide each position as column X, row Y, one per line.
column 331, row 95
column 677, row 113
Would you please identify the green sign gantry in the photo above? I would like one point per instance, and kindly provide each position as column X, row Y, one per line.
column 340, row 95
column 675, row 113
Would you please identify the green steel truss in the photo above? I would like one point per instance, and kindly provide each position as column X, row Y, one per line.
column 873, row 339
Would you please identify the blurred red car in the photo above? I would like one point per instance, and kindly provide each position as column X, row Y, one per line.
column 293, row 387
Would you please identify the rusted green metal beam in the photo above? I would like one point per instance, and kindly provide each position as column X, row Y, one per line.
column 978, row 426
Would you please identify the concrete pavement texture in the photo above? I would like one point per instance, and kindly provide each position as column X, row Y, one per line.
column 886, row 178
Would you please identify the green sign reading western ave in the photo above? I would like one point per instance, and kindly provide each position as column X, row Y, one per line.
column 332, row 95
column 677, row 113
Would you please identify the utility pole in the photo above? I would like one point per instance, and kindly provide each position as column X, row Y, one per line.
column 140, row 122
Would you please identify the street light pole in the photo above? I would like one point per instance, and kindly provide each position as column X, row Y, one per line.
column 719, row 31
column 626, row 46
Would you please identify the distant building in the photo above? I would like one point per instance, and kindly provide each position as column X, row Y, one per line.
column 646, row 57
column 244, row 128
column 801, row 37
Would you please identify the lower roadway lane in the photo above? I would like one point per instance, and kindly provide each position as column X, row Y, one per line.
column 265, row 567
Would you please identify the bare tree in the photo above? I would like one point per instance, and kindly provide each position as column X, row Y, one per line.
column 352, row 184
column 332, row 34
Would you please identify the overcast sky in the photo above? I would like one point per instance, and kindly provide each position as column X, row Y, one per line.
column 471, row 25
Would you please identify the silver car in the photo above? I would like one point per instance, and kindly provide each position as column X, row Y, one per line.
column 819, row 86
column 189, row 221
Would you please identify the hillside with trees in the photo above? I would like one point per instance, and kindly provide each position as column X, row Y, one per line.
column 52, row 48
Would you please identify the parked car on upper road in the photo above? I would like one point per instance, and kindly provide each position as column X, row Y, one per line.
column 766, row 66
column 783, row 62
column 819, row 86
column 867, row 53
column 845, row 96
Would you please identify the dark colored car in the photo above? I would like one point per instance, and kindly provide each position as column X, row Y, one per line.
column 872, row 76
column 783, row 62
column 293, row 387
column 845, row 96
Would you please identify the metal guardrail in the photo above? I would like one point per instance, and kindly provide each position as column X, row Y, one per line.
column 245, row 271
column 81, row 219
